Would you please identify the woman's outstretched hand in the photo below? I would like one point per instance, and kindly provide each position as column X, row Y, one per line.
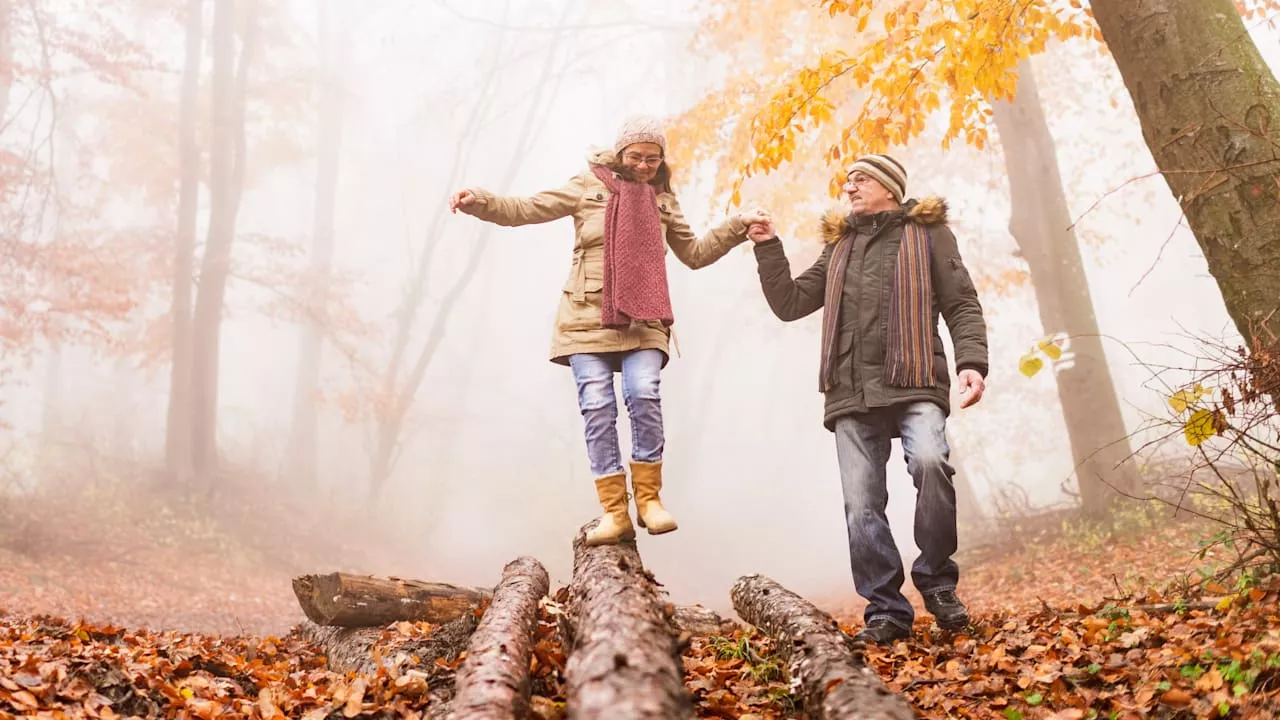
column 755, row 216
column 462, row 198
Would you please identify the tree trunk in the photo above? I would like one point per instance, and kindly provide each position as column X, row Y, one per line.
column 345, row 600
column 625, row 661
column 824, row 661
column 178, row 424
column 226, row 177
column 301, row 456
column 493, row 682
column 1210, row 112
column 1041, row 224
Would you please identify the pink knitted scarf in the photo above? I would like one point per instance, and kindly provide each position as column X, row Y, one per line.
column 635, row 267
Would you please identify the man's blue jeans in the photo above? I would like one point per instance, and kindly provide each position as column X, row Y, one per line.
column 862, row 446
column 641, row 376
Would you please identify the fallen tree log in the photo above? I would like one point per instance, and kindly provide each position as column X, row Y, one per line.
column 347, row 600
column 624, row 663
column 493, row 681
column 392, row 649
column 697, row 620
column 365, row 650
column 822, row 660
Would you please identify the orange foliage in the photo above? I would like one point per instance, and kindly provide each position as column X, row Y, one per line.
column 920, row 58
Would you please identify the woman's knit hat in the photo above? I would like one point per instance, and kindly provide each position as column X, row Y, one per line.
column 641, row 129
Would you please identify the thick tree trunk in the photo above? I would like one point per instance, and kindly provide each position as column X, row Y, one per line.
column 1210, row 112
column 825, row 662
column 1041, row 225
column 345, row 600
column 226, row 183
column 625, row 660
column 301, row 456
column 178, row 424
column 493, row 682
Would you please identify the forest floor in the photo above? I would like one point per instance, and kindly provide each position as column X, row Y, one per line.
column 1070, row 622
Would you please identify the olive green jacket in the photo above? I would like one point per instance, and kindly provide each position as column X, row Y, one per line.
column 864, row 305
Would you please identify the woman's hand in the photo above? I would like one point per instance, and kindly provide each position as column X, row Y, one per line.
column 755, row 216
column 462, row 198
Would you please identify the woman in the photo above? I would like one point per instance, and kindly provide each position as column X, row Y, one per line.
column 615, row 309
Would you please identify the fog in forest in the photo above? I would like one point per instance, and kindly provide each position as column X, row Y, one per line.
column 399, row 104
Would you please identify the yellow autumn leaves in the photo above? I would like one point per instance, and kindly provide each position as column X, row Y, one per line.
column 1050, row 347
column 1202, row 423
column 1199, row 423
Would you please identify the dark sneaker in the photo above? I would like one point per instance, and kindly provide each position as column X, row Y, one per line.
column 882, row 632
column 947, row 609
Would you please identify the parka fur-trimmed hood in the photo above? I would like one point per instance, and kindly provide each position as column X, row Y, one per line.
column 930, row 210
column 601, row 157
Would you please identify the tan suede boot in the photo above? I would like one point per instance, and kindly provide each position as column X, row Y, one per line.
column 615, row 524
column 646, row 478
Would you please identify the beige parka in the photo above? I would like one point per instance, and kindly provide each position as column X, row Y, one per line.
column 578, row 328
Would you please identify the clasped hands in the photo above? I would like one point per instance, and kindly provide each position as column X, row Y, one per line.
column 759, row 225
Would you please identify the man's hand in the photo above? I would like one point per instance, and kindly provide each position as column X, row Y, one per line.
column 971, row 387
column 462, row 198
column 761, row 232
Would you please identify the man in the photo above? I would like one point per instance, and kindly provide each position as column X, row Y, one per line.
column 888, row 270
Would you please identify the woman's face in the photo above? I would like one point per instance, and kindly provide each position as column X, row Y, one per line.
column 643, row 159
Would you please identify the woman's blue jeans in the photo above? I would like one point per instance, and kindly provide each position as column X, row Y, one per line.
column 641, row 376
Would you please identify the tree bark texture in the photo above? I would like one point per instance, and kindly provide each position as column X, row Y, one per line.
column 493, row 681
column 346, row 600
column 1210, row 112
column 625, row 662
column 825, row 662
column 178, row 424
column 1040, row 222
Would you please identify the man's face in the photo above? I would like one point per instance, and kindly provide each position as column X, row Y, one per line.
column 866, row 195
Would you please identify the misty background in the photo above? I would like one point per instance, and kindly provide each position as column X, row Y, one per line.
column 440, row 95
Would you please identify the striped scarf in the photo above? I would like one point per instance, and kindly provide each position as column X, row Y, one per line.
column 909, row 356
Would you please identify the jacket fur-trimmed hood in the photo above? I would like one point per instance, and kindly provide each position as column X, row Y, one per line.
column 930, row 210
column 601, row 157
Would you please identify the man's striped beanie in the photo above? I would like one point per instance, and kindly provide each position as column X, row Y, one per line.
column 887, row 171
